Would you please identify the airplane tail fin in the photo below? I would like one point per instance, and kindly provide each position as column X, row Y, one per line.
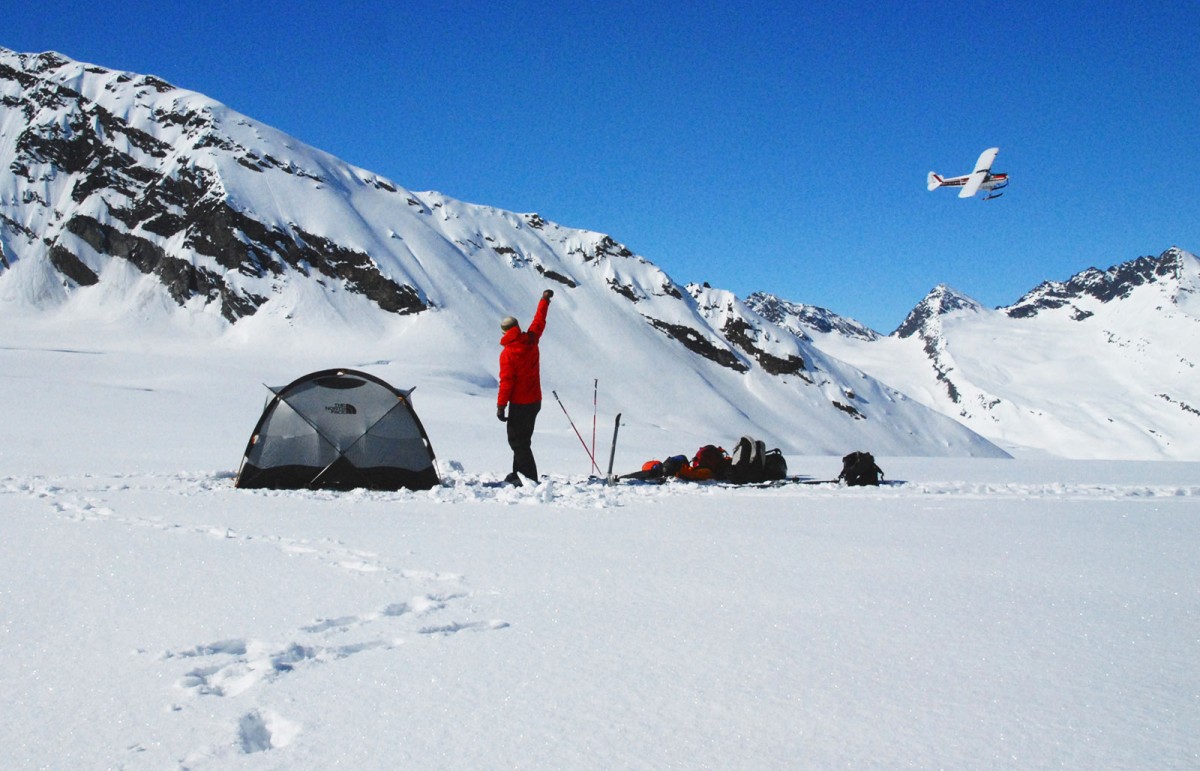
column 933, row 182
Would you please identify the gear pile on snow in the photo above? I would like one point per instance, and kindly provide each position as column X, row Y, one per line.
column 750, row 463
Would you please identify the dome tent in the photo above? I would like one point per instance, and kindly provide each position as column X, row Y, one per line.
column 339, row 429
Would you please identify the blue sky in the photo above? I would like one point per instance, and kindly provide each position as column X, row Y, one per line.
column 756, row 146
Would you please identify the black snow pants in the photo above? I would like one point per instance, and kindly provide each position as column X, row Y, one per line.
column 521, row 419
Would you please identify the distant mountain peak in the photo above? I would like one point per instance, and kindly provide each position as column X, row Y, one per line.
column 1093, row 285
column 804, row 319
column 940, row 301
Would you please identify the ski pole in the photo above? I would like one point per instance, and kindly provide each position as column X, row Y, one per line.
column 576, row 430
column 595, row 389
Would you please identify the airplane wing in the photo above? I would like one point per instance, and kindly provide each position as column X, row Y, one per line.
column 986, row 159
column 982, row 167
column 973, row 184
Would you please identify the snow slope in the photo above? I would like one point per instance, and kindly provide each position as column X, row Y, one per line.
column 984, row 613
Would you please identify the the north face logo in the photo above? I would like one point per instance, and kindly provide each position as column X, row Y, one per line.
column 342, row 409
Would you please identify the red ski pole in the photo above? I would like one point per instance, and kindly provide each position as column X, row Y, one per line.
column 576, row 430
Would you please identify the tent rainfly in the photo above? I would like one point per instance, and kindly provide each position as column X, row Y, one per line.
column 339, row 429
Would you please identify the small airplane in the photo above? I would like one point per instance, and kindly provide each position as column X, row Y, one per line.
column 980, row 179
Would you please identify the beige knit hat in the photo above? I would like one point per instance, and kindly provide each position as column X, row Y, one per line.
column 507, row 323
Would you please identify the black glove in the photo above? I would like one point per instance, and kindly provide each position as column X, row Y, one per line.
column 500, row 414
column 547, row 294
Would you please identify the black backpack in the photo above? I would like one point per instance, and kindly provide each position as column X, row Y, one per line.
column 752, row 462
column 673, row 465
column 748, row 461
column 775, row 466
column 858, row 468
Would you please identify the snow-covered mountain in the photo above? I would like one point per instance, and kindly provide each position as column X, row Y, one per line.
column 127, row 198
column 800, row 319
column 1100, row 366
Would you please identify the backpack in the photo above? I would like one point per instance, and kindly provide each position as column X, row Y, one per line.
column 858, row 468
column 674, row 464
column 712, row 459
column 748, row 463
column 752, row 463
column 774, row 466
column 652, row 469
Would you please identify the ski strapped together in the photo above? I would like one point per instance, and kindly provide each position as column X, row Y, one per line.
column 612, row 453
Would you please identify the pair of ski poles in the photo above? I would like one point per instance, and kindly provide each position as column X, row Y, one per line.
column 591, row 452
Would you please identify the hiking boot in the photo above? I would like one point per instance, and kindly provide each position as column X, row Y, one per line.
column 514, row 479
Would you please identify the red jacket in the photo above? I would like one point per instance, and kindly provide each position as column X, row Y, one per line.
column 520, row 363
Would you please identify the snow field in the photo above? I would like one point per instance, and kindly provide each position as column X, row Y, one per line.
column 972, row 623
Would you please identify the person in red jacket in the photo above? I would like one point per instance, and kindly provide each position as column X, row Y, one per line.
column 521, row 388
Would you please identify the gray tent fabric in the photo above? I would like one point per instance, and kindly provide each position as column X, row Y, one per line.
column 339, row 429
